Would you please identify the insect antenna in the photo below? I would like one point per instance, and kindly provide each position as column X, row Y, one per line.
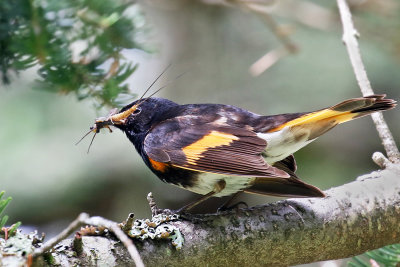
column 91, row 130
column 91, row 142
column 165, row 85
column 151, row 85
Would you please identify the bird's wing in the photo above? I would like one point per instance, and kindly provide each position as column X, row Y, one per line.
column 209, row 147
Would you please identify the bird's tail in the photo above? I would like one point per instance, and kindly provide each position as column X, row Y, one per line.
column 321, row 121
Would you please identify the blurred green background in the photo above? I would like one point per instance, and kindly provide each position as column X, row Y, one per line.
column 51, row 180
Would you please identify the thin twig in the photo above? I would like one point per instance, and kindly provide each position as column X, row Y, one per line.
column 262, row 8
column 83, row 219
column 152, row 204
column 381, row 160
column 308, row 13
column 350, row 36
column 78, row 222
column 267, row 61
column 283, row 36
column 272, row 57
column 113, row 226
column 127, row 225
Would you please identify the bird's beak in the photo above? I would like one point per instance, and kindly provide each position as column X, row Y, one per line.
column 120, row 118
column 113, row 118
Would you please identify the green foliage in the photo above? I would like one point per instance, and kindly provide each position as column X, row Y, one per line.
column 386, row 256
column 4, row 219
column 76, row 44
column 3, row 205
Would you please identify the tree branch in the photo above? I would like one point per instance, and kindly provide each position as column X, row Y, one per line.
column 353, row 218
column 288, row 46
column 84, row 219
column 350, row 36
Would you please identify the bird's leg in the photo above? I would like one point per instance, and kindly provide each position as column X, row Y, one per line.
column 228, row 204
column 218, row 187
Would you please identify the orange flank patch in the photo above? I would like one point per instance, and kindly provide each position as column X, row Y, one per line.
column 326, row 114
column 214, row 139
column 158, row 166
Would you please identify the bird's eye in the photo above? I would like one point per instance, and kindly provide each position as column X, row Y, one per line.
column 137, row 111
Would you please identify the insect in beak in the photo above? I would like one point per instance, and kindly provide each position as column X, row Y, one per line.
column 100, row 123
column 114, row 117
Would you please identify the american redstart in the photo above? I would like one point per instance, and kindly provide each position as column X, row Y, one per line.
column 219, row 150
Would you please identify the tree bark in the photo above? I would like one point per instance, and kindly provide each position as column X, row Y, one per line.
column 353, row 218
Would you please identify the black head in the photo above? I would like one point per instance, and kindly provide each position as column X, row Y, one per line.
column 135, row 119
column 144, row 114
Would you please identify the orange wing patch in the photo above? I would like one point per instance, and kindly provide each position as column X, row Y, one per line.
column 158, row 166
column 214, row 139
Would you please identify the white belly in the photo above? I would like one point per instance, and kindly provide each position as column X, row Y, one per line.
column 206, row 183
column 282, row 143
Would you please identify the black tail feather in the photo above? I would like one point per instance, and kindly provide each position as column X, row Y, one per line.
column 366, row 104
column 284, row 187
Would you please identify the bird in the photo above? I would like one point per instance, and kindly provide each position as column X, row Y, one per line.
column 218, row 150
